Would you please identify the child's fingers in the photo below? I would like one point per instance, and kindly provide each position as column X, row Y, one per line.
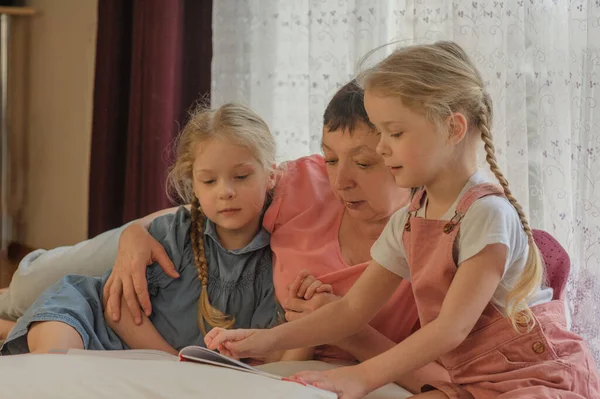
column 225, row 337
column 298, row 281
column 315, row 378
column 224, row 351
column 236, row 349
column 304, row 286
column 319, row 380
column 295, row 286
column 310, row 291
column 304, row 273
column 327, row 288
column 209, row 339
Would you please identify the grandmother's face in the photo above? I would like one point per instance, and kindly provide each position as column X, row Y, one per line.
column 358, row 175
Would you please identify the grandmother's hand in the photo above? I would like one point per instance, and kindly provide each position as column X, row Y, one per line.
column 137, row 250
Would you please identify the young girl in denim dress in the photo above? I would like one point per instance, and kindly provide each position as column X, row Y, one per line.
column 225, row 169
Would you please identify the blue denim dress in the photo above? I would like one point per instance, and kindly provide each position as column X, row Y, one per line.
column 240, row 284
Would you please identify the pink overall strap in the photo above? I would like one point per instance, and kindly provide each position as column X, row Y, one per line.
column 475, row 193
column 472, row 195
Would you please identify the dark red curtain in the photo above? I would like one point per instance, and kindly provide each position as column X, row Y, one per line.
column 153, row 61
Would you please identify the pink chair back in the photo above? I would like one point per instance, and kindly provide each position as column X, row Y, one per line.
column 558, row 263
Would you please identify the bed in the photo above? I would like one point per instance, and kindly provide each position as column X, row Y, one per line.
column 114, row 376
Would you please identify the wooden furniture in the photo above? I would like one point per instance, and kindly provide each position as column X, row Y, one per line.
column 6, row 14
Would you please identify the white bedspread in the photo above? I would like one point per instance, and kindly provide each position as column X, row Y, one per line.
column 99, row 377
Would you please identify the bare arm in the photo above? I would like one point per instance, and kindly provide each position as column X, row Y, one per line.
column 365, row 344
column 142, row 336
column 146, row 220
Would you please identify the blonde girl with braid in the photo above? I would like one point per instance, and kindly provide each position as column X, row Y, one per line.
column 464, row 243
column 224, row 168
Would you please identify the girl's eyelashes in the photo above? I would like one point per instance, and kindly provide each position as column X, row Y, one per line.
column 387, row 132
column 208, row 182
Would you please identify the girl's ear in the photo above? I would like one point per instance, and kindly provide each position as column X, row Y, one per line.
column 458, row 125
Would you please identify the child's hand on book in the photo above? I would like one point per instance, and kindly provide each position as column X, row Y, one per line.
column 237, row 343
column 346, row 382
column 306, row 285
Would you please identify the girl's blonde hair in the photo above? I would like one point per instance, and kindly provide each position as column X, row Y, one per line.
column 439, row 79
column 235, row 124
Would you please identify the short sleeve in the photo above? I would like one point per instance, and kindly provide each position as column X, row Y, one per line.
column 267, row 310
column 491, row 220
column 389, row 250
column 300, row 184
column 172, row 232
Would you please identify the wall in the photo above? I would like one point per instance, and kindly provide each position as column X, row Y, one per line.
column 59, row 92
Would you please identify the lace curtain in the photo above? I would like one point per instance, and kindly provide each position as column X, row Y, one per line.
column 541, row 63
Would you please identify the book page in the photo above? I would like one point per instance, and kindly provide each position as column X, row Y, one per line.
column 204, row 355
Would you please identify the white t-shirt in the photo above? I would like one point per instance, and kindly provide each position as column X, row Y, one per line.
column 489, row 220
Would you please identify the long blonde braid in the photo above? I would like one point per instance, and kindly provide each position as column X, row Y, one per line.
column 533, row 273
column 206, row 312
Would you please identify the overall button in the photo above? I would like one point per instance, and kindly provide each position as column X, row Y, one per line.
column 538, row 347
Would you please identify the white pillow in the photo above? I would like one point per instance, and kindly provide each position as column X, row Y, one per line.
column 41, row 268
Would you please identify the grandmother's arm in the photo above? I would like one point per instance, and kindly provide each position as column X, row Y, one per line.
column 147, row 220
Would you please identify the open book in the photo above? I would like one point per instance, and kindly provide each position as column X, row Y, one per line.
column 200, row 354
column 195, row 354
